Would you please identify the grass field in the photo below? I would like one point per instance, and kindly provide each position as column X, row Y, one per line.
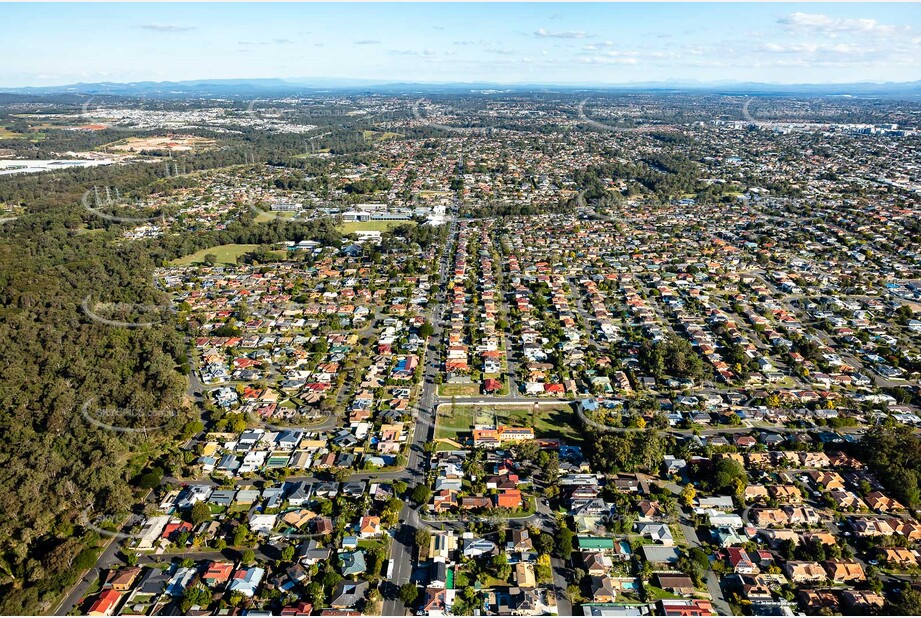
column 226, row 254
column 307, row 155
column 32, row 136
column 84, row 230
column 369, row 226
column 548, row 420
column 266, row 216
column 380, row 136
column 459, row 390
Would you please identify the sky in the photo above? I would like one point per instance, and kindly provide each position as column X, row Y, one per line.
column 520, row 43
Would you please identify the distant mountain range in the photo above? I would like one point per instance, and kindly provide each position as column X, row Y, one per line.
column 231, row 88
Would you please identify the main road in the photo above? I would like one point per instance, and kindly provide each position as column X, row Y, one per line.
column 423, row 432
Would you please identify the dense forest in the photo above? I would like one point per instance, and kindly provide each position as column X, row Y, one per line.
column 57, row 360
column 894, row 453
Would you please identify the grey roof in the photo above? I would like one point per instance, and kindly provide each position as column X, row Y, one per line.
column 348, row 594
column 153, row 581
column 660, row 553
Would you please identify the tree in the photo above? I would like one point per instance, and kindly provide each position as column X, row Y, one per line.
column 692, row 568
column 544, row 570
column 906, row 483
column 627, row 451
column 191, row 428
column 248, row 556
column 726, row 472
column 150, row 479
column 342, row 474
column 909, row 603
column 287, row 554
column 894, row 453
column 210, row 259
column 408, row 594
column 315, row 593
column 239, row 535
column 195, row 596
column 688, row 494
column 200, row 512
column 421, row 494
column 86, row 558
column 501, row 565
column 423, row 538
column 527, row 450
column 543, row 542
column 564, row 543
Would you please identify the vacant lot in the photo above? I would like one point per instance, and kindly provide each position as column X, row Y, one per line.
column 178, row 143
column 226, row 254
column 459, row 390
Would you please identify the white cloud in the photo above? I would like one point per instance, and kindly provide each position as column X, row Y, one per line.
column 824, row 23
column 166, row 28
column 814, row 48
column 607, row 59
column 272, row 42
column 544, row 34
column 620, row 54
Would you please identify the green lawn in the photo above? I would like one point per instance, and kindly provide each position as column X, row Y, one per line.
column 266, row 216
column 455, row 421
column 654, row 593
column 493, row 582
column 226, row 254
column 368, row 544
column 549, row 420
column 351, row 227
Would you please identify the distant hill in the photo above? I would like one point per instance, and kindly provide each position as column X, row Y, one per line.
column 280, row 87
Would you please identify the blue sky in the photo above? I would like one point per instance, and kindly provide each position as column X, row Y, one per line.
column 54, row 44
